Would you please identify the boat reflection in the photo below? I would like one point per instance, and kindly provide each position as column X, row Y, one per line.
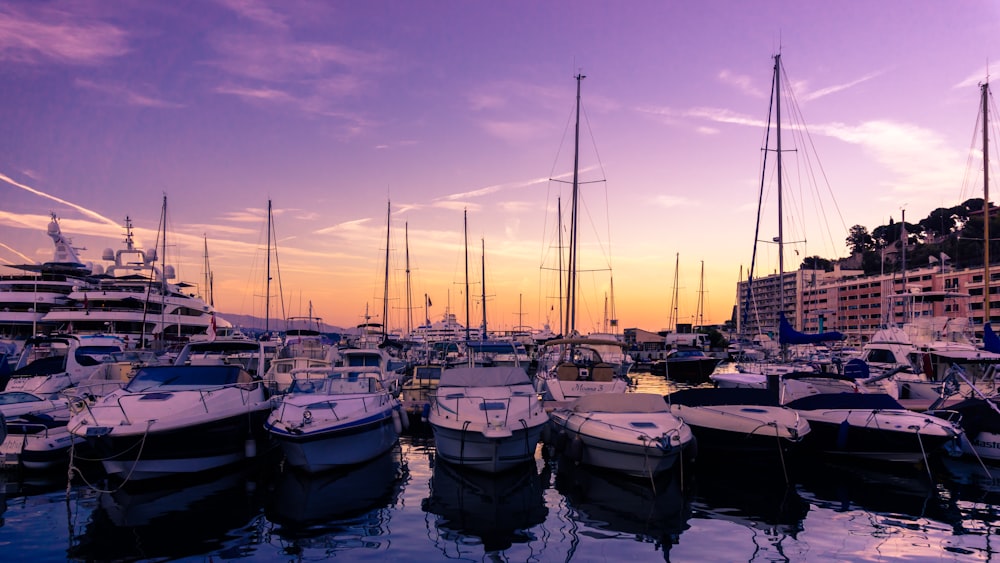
column 653, row 512
column 497, row 508
column 171, row 518
column 336, row 510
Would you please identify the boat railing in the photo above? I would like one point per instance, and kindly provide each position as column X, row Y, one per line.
column 486, row 406
column 369, row 403
column 160, row 393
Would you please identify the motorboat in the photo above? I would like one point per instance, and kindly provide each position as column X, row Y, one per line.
column 184, row 418
column 486, row 418
column 50, row 364
column 34, row 435
column 335, row 417
column 302, row 349
column 569, row 368
column 688, row 366
column 417, row 390
column 390, row 367
column 873, row 426
column 746, row 421
column 632, row 433
column 978, row 415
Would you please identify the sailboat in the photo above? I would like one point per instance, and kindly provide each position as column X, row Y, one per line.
column 754, row 375
column 574, row 365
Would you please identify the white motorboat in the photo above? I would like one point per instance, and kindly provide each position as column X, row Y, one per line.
column 747, row 421
column 391, row 368
column 569, row 368
column 632, row 433
column 193, row 416
column 50, row 364
column 486, row 418
column 301, row 349
column 35, row 435
column 335, row 417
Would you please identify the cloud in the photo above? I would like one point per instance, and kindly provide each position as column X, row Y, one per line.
column 742, row 82
column 34, row 36
column 256, row 11
column 126, row 95
column 355, row 226
column 39, row 193
column 670, row 201
column 809, row 96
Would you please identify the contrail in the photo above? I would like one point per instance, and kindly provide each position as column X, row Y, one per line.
column 16, row 252
column 83, row 210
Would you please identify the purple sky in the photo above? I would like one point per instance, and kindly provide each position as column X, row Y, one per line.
column 331, row 109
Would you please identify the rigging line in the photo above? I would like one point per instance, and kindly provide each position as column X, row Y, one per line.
column 805, row 137
column 604, row 179
column 967, row 187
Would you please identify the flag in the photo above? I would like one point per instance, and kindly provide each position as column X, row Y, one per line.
column 429, row 304
column 86, row 304
column 211, row 329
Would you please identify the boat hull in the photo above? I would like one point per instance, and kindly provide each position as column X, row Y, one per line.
column 338, row 445
column 605, row 440
column 476, row 449
column 884, row 436
column 186, row 449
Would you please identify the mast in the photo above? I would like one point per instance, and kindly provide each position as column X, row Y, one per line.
column 465, row 225
column 409, row 300
column 385, row 285
column 483, row 335
column 208, row 274
column 986, row 205
column 267, row 292
column 571, row 282
column 700, row 314
column 674, row 296
column 781, row 234
column 561, row 265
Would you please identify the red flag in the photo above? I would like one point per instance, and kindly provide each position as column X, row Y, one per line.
column 86, row 303
column 211, row 329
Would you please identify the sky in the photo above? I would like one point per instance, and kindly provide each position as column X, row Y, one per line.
column 439, row 136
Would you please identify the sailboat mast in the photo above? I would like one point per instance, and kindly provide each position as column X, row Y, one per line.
column 559, row 223
column 267, row 292
column 465, row 228
column 571, row 282
column 674, row 295
column 483, row 335
column 385, row 286
column 986, row 205
column 409, row 299
column 700, row 316
column 781, row 234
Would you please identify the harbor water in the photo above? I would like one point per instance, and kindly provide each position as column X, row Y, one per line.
column 407, row 506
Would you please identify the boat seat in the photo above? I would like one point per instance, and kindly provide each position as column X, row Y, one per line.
column 602, row 372
column 567, row 372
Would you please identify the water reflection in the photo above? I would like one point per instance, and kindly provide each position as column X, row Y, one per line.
column 336, row 510
column 650, row 512
column 171, row 518
column 498, row 509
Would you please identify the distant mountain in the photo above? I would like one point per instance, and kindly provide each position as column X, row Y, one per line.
column 257, row 324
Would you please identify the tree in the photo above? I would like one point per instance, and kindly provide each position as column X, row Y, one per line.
column 816, row 263
column 859, row 240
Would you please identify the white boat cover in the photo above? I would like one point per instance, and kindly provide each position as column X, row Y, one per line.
column 620, row 402
column 490, row 376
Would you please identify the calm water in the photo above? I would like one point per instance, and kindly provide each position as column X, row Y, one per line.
column 406, row 507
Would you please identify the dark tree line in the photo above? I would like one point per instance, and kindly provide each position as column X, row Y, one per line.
column 956, row 233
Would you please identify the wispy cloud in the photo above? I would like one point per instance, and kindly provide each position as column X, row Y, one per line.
column 742, row 82
column 256, row 11
column 42, row 34
column 126, row 95
column 39, row 193
column 670, row 201
column 354, row 226
column 816, row 94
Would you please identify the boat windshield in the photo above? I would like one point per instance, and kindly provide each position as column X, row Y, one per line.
column 186, row 377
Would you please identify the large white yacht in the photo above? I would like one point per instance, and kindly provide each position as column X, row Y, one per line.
column 26, row 297
column 134, row 297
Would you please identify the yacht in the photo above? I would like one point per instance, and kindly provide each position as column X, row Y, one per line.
column 26, row 297
column 134, row 297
